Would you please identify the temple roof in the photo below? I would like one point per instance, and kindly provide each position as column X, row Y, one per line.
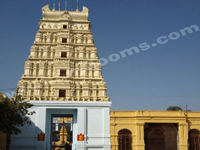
column 69, row 15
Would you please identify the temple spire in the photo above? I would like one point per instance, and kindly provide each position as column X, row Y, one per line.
column 50, row 52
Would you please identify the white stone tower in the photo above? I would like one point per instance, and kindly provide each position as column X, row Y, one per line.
column 62, row 76
column 63, row 64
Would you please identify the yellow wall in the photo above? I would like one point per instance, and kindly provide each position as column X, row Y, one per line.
column 135, row 120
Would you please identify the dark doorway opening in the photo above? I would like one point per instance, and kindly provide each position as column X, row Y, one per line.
column 124, row 140
column 194, row 139
column 61, row 131
column 161, row 136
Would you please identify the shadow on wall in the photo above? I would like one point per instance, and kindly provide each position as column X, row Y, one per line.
column 28, row 139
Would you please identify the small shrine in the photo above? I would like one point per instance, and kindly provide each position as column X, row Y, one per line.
column 63, row 135
column 63, row 143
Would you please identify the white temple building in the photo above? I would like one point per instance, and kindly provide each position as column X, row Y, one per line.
column 62, row 78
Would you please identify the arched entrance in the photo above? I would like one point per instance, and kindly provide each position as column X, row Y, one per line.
column 161, row 136
column 156, row 140
column 194, row 139
column 124, row 140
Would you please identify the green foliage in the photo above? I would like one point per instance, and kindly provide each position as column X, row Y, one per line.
column 1, row 95
column 13, row 114
column 174, row 108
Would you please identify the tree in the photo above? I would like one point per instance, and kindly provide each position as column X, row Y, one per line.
column 174, row 108
column 1, row 95
column 13, row 114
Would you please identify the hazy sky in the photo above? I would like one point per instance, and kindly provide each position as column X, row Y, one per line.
column 156, row 77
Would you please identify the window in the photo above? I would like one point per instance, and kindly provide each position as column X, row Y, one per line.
column 62, row 93
column 64, row 26
column 64, row 40
column 62, row 72
column 63, row 54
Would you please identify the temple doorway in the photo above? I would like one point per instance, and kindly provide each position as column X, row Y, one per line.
column 61, row 131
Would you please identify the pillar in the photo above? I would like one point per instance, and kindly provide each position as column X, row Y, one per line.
column 182, row 132
column 52, row 53
column 33, row 52
column 28, row 68
column 90, row 39
column 48, row 37
column 54, row 38
column 38, row 37
column 97, row 70
column 42, row 69
column 139, row 143
column 83, row 69
column 49, row 70
column 46, row 52
column 84, row 39
column 35, row 69
column 29, row 91
column 75, row 40
column 57, row 126
column 75, row 53
column 93, row 53
column 87, row 54
column 90, row 71
column 71, row 126
column 82, row 53
column 81, row 128
column 79, row 39
column 44, row 38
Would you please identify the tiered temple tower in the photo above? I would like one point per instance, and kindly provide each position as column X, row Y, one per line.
column 62, row 78
column 63, row 64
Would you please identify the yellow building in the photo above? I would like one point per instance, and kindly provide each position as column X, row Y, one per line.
column 154, row 130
